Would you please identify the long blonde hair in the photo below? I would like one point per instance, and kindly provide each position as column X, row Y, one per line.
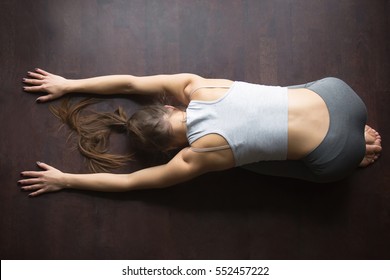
column 148, row 131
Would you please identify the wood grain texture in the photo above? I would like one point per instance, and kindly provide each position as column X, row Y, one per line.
column 227, row 215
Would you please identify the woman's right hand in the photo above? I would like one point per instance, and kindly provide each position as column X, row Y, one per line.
column 41, row 81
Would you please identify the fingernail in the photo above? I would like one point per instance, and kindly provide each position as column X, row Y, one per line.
column 38, row 162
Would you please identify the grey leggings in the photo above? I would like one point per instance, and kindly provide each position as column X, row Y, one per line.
column 343, row 147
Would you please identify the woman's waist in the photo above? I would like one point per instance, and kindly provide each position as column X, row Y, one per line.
column 308, row 122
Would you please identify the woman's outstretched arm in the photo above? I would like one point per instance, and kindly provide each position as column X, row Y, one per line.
column 56, row 86
column 180, row 169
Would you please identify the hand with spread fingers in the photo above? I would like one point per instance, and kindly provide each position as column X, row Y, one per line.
column 41, row 81
column 39, row 182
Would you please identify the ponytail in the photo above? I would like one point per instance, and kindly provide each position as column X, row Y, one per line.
column 148, row 130
column 93, row 133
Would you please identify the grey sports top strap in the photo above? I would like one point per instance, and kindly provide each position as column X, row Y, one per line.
column 193, row 91
column 211, row 149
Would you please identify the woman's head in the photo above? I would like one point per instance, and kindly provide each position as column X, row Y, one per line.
column 149, row 130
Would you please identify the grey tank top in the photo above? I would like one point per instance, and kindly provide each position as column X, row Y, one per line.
column 252, row 118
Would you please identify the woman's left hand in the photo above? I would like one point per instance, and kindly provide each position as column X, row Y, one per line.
column 48, row 180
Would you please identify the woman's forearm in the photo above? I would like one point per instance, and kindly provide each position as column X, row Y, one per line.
column 101, row 85
column 104, row 182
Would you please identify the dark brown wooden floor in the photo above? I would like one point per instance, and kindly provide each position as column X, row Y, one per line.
column 227, row 215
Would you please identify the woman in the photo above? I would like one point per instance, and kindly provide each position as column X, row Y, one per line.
column 313, row 132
